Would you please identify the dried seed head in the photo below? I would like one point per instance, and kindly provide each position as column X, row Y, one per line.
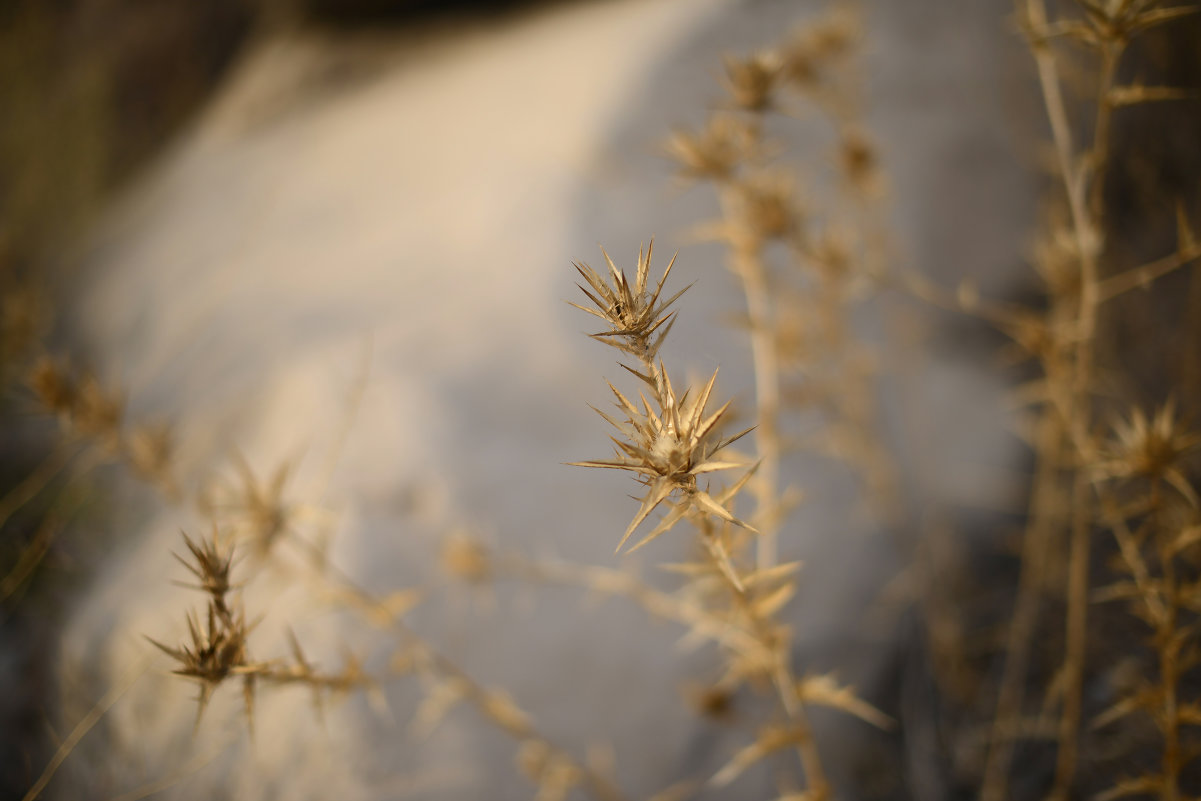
column 713, row 702
column 260, row 509
column 801, row 66
column 715, row 152
column 857, row 157
column 53, row 386
column 97, row 411
column 810, row 49
column 81, row 402
column 150, row 449
column 638, row 320
column 768, row 206
column 211, row 563
column 831, row 253
column 670, row 455
column 214, row 652
column 1151, row 447
column 667, row 450
column 752, row 81
column 465, row 558
column 835, row 34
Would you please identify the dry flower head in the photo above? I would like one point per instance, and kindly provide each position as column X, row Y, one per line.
column 716, row 151
column 671, row 442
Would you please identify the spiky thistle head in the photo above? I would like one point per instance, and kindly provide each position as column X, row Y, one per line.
column 1152, row 447
column 258, row 512
column 768, row 206
column 79, row 400
column 716, row 151
column 53, row 386
column 808, row 54
column 638, row 319
column 211, row 564
column 752, row 81
column 214, row 653
column 667, row 449
column 466, row 558
column 217, row 650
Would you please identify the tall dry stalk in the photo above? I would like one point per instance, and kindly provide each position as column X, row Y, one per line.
column 1068, row 453
column 802, row 270
column 672, row 445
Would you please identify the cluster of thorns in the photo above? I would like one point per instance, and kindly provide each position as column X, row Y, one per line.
column 218, row 650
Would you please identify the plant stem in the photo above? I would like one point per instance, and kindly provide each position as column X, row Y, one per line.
column 767, row 400
column 1086, row 205
column 782, row 677
column 747, row 264
column 1168, row 645
column 479, row 696
column 1035, row 543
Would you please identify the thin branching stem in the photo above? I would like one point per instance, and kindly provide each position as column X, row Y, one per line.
column 1085, row 204
column 782, row 677
column 1035, row 542
column 484, row 700
column 751, row 271
column 767, row 400
column 616, row 582
column 1168, row 646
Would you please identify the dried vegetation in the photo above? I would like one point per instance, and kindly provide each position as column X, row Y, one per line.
column 1113, row 521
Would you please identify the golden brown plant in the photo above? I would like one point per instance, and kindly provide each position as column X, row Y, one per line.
column 669, row 442
column 803, row 268
column 1073, row 496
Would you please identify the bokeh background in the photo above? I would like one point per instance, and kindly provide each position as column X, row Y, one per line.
column 337, row 235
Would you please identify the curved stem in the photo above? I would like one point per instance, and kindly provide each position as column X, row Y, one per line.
column 485, row 700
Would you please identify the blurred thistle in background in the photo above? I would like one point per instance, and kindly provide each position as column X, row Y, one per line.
column 288, row 275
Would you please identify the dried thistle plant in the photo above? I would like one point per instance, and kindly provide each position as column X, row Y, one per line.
column 796, row 308
column 669, row 442
column 95, row 413
column 216, row 650
column 1081, row 480
column 672, row 442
